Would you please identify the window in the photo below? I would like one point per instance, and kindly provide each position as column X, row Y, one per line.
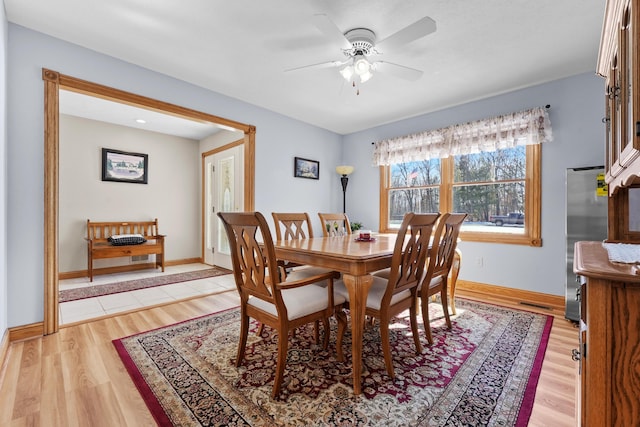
column 487, row 168
column 500, row 190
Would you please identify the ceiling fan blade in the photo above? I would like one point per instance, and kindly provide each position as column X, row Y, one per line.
column 329, row 29
column 328, row 64
column 418, row 29
column 397, row 70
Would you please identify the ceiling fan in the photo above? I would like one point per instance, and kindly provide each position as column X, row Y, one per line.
column 359, row 44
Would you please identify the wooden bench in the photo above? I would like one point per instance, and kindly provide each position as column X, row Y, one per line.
column 99, row 246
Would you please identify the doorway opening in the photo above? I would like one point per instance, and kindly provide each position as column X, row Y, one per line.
column 53, row 83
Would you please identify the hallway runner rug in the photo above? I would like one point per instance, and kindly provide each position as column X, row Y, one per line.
column 132, row 285
column 483, row 372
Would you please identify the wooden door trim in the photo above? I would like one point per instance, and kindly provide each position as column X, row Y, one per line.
column 53, row 82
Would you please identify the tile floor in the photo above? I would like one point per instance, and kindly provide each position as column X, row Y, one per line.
column 89, row 308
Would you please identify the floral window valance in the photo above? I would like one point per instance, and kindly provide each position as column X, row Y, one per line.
column 520, row 128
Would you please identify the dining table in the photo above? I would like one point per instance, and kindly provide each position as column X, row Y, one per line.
column 356, row 259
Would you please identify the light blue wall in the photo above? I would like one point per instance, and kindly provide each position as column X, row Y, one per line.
column 278, row 140
column 576, row 112
column 3, row 172
column 577, row 107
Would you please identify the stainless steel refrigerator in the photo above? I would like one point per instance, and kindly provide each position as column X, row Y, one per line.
column 586, row 220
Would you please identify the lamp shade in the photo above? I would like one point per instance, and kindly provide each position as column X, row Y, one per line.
column 344, row 170
column 347, row 72
column 365, row 76
column 361, row 65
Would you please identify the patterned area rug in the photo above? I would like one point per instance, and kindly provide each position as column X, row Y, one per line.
column 132, row 285
column 483, row 372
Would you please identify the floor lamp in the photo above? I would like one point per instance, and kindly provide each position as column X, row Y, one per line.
column 345, row 171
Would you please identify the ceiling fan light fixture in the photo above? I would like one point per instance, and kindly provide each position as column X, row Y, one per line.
column 365, row 76
column 347, row 72
column 361, row 65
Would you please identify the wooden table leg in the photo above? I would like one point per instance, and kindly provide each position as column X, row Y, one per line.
column 358, row 287
column 453, row 278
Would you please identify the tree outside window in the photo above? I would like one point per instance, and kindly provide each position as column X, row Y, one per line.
column 499, row 191
column 415, row 187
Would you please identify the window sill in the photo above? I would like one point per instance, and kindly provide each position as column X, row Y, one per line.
column 511, row 239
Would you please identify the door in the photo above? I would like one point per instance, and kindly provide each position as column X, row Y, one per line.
column 224, row 192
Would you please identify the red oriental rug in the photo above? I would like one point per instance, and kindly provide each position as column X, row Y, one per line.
column 132, row 285
column 483, row 372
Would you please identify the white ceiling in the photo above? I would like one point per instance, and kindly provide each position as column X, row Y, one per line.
column 241, row 48
column 94, row 108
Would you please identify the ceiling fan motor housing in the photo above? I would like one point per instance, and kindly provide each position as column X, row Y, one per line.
column 362, row 42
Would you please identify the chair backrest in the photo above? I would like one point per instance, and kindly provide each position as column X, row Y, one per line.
column 255, row 268
column 333, row 224
column 292, row 225
column 445, row 241
column 410, row 252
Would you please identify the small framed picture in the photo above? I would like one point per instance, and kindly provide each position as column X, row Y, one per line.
column 305, row 168
column 121, row 166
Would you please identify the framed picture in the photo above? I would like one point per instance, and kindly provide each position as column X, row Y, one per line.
column 121, row 166
column 305, row 168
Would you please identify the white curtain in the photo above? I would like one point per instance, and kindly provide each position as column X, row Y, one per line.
column 520, row 128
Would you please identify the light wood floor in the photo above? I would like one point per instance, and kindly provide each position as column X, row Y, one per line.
column 75, row 377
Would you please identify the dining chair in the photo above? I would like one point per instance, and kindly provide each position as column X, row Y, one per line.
column 335, row 224
column 291, row 226
column 264, row 293
column 441, row 257
column 390, row 296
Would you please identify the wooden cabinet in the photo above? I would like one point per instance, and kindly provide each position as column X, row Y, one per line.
column 619, row 64
column 609, row 353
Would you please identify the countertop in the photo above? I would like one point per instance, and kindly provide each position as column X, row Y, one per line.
column 592, row 260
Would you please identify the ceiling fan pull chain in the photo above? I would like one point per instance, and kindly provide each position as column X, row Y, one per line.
column 353, row 84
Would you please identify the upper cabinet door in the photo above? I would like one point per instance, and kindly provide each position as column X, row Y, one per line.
column 630, row 142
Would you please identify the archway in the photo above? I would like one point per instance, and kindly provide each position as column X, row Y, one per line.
column 53, row 82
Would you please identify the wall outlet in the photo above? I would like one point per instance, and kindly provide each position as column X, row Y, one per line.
column 479, row 262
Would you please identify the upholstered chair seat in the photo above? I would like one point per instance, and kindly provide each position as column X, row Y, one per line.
column 299, row 301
